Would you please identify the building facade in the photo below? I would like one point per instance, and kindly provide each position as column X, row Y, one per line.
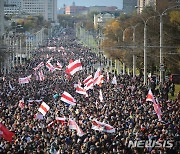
column 1, row 17
column 12, row 6
column 46, row 8
column 158, row 5
column 129, row 6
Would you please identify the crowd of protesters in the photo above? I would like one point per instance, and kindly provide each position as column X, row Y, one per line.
column 124, row 107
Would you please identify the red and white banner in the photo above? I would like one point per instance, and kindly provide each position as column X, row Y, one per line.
column 5, row 133
column 80, row 90
column 21, row 104
column 88, row 82
column 157, row 108
column 62, row 120
column 100, row 96
column 100, row 80
column 73, row 67
column 58, row 66
column 67, row 98
column 43, row 108
column 50, row 67
column 100, row 126
column 25, row 80
column 73, row 125
column 96, row 76
column 39, row 66
column 41, row 75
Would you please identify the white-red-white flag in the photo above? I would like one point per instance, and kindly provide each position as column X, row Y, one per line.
column 39, row 66
column 50, row 67
column 73, row 125
column 80, row 90
column 157, row 109
column 100, row 96
column 114, row 81
column 88, row 82
column 41, row 75
column 73, row 67
column 150, row 96
column 43, row 108
column 100, row 80
column 21, row 104
column 58, row 66
column 67, row 98
column 25, row 80
column 61, row 120
column 100, row 126
column 50, row 124
column 96, row 75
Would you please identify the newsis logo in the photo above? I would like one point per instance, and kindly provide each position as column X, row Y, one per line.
column 150, row 144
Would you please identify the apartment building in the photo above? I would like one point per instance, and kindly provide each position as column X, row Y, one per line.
column 1, row 17
column 12, row 6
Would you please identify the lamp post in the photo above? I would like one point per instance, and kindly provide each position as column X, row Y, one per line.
column 161, row 42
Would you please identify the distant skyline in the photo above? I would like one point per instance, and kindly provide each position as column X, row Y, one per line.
column 117, row 3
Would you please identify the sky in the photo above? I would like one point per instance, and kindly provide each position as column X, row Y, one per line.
column 87, row 3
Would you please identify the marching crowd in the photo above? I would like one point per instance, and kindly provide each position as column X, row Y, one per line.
column 124, row 107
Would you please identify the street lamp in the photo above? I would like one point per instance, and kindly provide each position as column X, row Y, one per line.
column 161, row 42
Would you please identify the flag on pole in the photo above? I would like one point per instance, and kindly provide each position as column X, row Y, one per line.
column 80, row 90
column 88, row 82
column 100, row 126
column 5, row 133
column 58, row 66
column 73, row 125
column 50, row 66
column 73, row 67
column 39, row 66
column 67, row 98
column 25, row 80
column 100, row 96
column 96, row 76
column 150, row 96
column 61, row 120
column 43, row 108
column 41, row 75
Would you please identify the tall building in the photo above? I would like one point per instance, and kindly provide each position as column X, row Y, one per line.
column 129, row 6
column 159, row 5
column 12, row 6
column 1, row 17
column 46, row 8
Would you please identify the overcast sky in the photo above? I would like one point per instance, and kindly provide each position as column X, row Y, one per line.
column 117, row 3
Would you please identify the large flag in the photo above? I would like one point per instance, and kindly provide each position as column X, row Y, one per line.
column 58, row 66
column 100, row 96
column 67, row 98
column 80, row 90
column 73, row 125
column 50, row 67
column 150, row 96
column 100, row 126
column 62, row 120
column 157, row 108
column 114, row 81
column 41, row 75
column 25, row 80
column 96, row 76
column 73, row 67
column 43, row 108
column 88, row 82
column 5, row 133
column 39, row 66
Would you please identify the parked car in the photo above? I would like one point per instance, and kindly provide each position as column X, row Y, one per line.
column 175, row 78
